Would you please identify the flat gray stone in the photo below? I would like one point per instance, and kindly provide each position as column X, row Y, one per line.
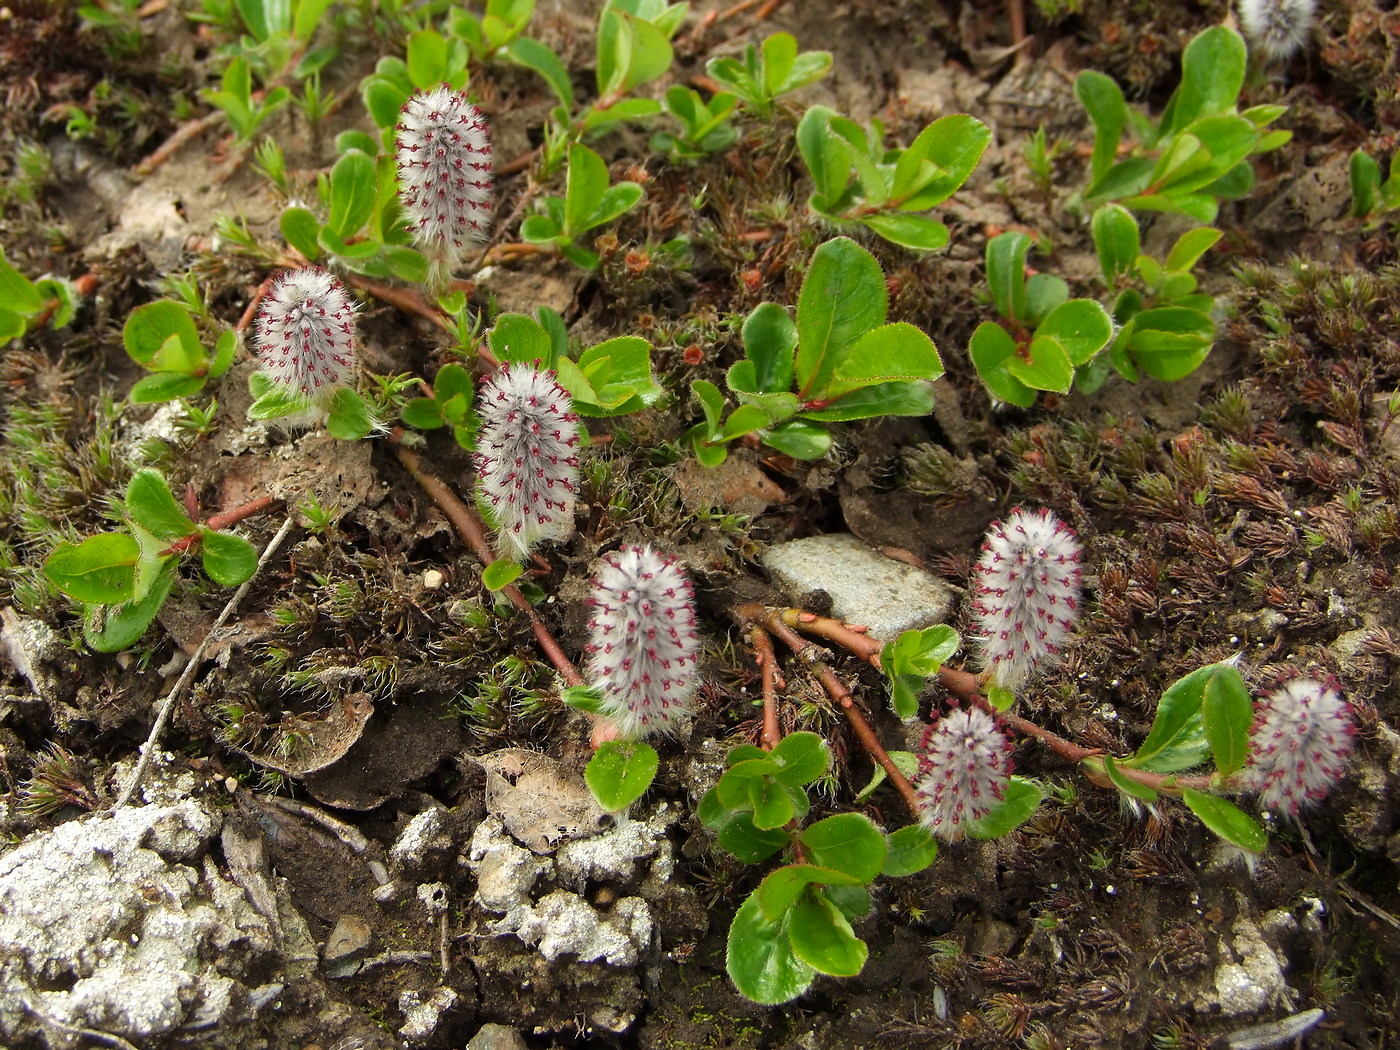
column 867, row 588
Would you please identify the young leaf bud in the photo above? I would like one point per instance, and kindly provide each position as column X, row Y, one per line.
column 1299, row 744
column 645, row 643
column 527, row 457
column 1027, row 593
column 964, row 764
column 306, row 334
column 444, row 161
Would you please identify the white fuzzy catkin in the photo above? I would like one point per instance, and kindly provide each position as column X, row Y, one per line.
column 1276, row 29
column 527, row 456
column 1298, row 746
column 644, row 648
column 444, row 159
column 964, row 765
column 305, row 334
column 1027, row 593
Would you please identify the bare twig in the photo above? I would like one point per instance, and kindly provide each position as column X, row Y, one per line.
column 772, row 682
column 185, row 132
column 148, row 749
column 223, row 520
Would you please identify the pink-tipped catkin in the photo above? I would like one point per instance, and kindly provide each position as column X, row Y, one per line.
column 1299, row 745
column 306, row 334
column 1027, row 593
column 527, row 456
column 642, row 656
column 964, row 764
column 444, row 160
column 1276, row 29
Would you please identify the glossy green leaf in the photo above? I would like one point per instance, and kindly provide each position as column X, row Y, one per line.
column 584, row 186
column 827, row 155
column 1190, row 246
column 1365, row 175
column 848, row 842
column 1045, row 366
column 406, row 264
column 164, row 386
column 1081, row 327
column 843, row 296
column 348, row 417
column 11, row 325
column 228, row 559
column 1117, row 240
column 890, row 353
column 1129, row 787
column 353, row 188
column 918, row 233
column 1227, row 713
column 17, row 292
column 852, row 901
column 1177, row 739
column 749, row 843
column 992, row 350
column 954, row 144
column 271, row 401
column 162, row 337
column 1227, row 820
column 536, row 56
column 100, row 570
column 1006, row 273
column 422, row 413
column 620, row 772
column 151, row 504
column 783, row 886
column 520, row 339
column 1170, row 342
column 1212, row 73
column 1045, row 292
column 427, row 59
column 911, row 849
column 905, row 761
column 800, row 440
column 1000, row 698
column 1019, row 800
column 224, row 350
column 760, row 958
column 770, row 339
column 779, row 53
column 733, row 786
column 821, row 937
column 1103, row 100
column 771, row 803
column 801, row 758
column 110, row 629
column 501, row 573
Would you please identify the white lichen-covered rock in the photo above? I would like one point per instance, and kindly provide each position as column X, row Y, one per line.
column 563, row 923
column 1250, row 976
column 505, row 872
column 614, row 855
column 423, row 1012
column 108, row 924
column 425, row 834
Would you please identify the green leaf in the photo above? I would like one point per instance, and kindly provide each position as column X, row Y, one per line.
column 1365, row 176
column 779, row 53
column 891, row 353
column 1081, row 327
column 620, row 772
column 151, row 504
column 650, row 53
column 992, row 350
column 109, row 629
column 11, row 325
column 164, row 386
column 799, row 440
column 1000, row 698
column 536, row 56
column 1045, row 366
column 826, row 154
column 353, row 188
column 911, row 850
column 749, row 843
column 734, row 785
column 224, row 350
column 228, row 559
column 1103, row 100
column 17, row 292
column 584, row 185
column 1177, row 739
column 883, row 399
column 99, row 571
column 905, row 761
column 781, row 889
column 772, row 805
column 162, row 337
column 843, row 296
column 853, row 901
column 918, row 233
column 848, row 842
column 821, row 937
column 1018, row 802
column 746, row 753
column 348, row 417
column 1006, row 274
column 801, row 758
column 770, row 338
column 1170, row 342
column 406, row 264
column 1131, row 788
column 1117, row 239
column 1189, row 248
column 954, row 144
column 920, row 652
column 1227, row 714
column 501, row 573
column 760, row 958
column 617, row 370
column 1212, row 73
column 519, row 339
column 271, row 401
column 615, row 201
column 1227, row 820
column 308, row 17
column 422, row 413
column 427, row 59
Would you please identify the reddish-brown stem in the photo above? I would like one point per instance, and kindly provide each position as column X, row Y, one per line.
column 843, row 634
column 406, row 299
column 772, row 620
column 469, row 527
column 772, row 682
column 519, row 163
column 182, row 134
column 224, row 519
column 254, row 303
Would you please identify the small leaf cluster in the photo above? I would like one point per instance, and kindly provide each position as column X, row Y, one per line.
column 123, row 578
column 1198, row 153
column 363, row 228
column 23, row 303
column 839, row 360
column 797, row 923
column 767, row 72
column 1372, row 194
column 589, row 201
column 858, row 181
column 1047, row 338
column 162, row 338
column 1205, row 715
